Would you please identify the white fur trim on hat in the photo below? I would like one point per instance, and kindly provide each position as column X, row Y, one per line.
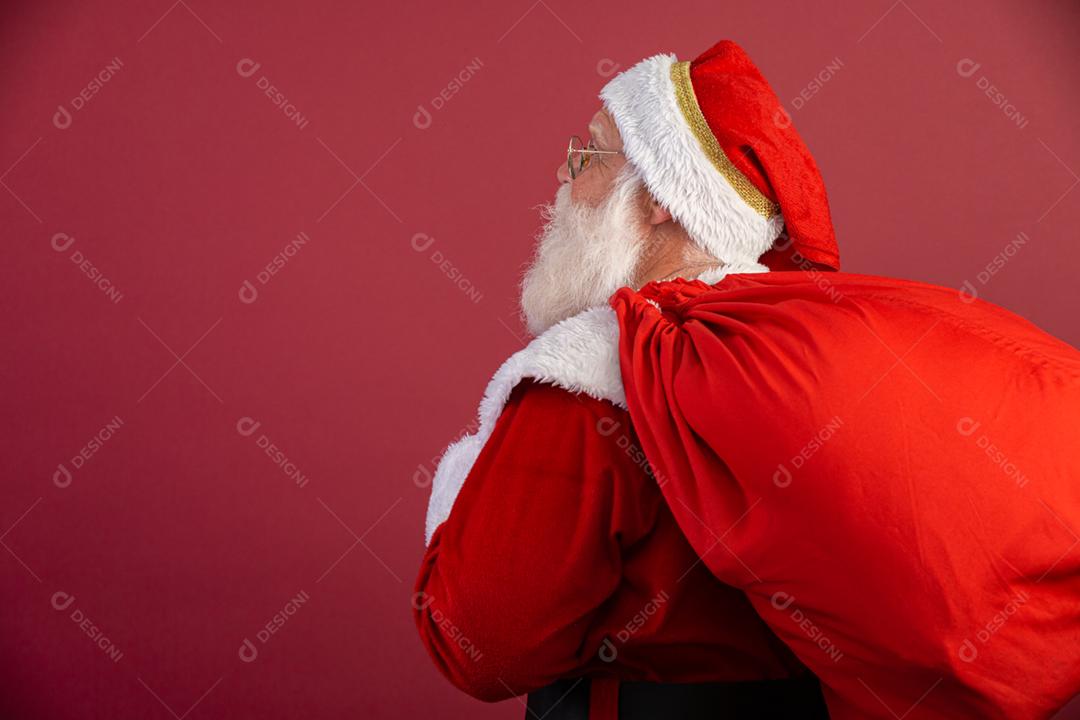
column 659, row 142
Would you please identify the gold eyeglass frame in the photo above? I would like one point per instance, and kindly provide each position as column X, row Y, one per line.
column 583, row 151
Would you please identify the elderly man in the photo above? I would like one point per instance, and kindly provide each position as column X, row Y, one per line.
column 699, row 492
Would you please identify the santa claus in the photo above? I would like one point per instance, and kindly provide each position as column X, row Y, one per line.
column 726, row 479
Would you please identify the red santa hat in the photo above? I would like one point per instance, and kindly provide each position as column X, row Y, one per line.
column 717, row 149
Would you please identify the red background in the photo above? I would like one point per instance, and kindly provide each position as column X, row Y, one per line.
column 179, row 180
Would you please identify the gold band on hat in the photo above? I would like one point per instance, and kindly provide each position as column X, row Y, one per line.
column 688, row 104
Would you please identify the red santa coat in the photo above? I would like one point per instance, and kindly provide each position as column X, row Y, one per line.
column 552, row 553
column 890, row 470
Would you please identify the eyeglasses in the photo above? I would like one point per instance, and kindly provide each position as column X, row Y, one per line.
column 577, row 155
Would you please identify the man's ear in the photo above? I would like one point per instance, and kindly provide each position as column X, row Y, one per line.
column 655, row 213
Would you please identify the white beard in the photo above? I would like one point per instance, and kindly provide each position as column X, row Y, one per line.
column 583, row 254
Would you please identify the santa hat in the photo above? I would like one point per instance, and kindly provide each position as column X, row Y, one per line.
column 717, row 149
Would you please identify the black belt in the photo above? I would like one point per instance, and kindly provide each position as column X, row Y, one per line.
column 798, row 697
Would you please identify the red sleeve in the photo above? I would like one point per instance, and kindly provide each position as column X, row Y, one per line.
column 532, row 546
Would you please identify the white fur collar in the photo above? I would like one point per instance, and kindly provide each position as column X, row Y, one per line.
column 579, row 354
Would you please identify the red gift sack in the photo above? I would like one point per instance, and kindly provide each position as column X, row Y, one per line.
column 890, row 471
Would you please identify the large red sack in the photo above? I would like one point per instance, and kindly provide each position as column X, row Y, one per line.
column 889, row 470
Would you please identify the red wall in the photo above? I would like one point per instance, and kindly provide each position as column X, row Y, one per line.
column 177, row 180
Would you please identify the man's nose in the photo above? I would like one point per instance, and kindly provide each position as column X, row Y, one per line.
column 563, row 173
